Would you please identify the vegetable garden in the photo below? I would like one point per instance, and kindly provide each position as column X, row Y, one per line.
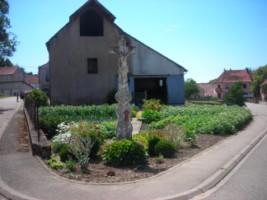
column 80, row 133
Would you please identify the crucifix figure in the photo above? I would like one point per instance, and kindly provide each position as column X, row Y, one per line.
column 123, row 96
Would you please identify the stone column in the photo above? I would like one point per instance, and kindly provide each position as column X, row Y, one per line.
column 123, row 96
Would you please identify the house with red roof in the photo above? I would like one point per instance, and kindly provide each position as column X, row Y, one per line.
column 13, row 80
column 228, row 78
column 33, row 80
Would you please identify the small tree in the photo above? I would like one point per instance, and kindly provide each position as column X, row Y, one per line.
column 83, row 138
column 264, row 91
column 190, row 88
column 235, row 95
column 38, row 97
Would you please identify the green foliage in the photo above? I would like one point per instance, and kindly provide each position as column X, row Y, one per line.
column 49, row 125
column 56, row 146
column 107, row 130
column 235, row 95
column 111, row 97
column 259, row 75
column 7, row 40
column 165, row 148
column 38, row 97
column 149, row 116
column 70, row 165
column 193, row 120
column 64, row 153
column 83, row 137
column 152, row 141
column 55, row 164
column 51, row 117
column 152, row 104
column 190, row 88
column 124, row 152
column 264, row 90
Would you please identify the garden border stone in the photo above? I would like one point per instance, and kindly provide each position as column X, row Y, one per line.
column 40, row 148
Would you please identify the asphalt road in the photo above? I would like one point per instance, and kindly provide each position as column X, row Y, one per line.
column 248, row 181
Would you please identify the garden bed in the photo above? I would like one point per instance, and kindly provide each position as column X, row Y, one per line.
column 101, row 173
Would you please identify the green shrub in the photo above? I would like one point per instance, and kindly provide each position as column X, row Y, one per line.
column 107, row 130
column 152, row 141
column 124, row 152
column 64, row 153
column 49, row 125
column 55, row 164
column 70, row 165
column 56, row 146
column 38, row 97
column 149, row 116
column 152, row 104
column 235, row 95
column 165, row 148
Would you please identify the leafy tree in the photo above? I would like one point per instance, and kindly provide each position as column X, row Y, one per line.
column 259, row 76
column 264, row 91
column 8, row 41
column 235, row 95
column 190, row 88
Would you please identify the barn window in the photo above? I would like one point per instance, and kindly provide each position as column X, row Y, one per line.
column 91, row 24
column 92, row 66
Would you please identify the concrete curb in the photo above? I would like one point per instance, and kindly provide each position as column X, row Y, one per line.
column 220, row 174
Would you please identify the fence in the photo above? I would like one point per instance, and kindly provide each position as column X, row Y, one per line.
column 33, row 111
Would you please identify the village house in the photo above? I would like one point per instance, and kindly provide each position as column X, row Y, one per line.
column 13, row 81
column 33, row 80
column 229, row 77
column 82, row 71
column 224, row 82
column 43, row 75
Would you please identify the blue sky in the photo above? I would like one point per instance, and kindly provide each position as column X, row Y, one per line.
column 204, row 36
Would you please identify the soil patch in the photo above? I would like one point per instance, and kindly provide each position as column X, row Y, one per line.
column 101, row 173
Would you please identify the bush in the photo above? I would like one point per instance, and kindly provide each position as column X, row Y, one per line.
column 149, row 116
column 49, row 125
column 56, row 146
column 64, row 153
column 152, row 104
column 124, row 152
column 38, row 97
column 165, row 148
column 70, row 165
column 55, row 164
column 107, row 130
column 152, row 141
column 235, row 95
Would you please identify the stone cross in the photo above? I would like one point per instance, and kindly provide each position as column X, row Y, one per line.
column 123, row 96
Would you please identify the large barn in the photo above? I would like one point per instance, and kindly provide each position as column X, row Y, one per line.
column 82, row 71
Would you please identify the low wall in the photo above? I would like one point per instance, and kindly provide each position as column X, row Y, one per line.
column 42, row 147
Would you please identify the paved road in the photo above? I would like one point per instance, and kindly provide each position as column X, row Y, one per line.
column 8, row 107
column 249, row 180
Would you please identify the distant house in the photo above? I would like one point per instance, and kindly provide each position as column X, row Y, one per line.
column 228, row 78
column 263, row 96
column 33, row 80
column 82, row 71
column 13, row 80
column 43, row 74
column 207, row 90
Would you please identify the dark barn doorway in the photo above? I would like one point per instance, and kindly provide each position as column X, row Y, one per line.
column 150, row 88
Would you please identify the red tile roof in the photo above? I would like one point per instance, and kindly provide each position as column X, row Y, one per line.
column 33, row 79
column 8, row 70
column 232, row 76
